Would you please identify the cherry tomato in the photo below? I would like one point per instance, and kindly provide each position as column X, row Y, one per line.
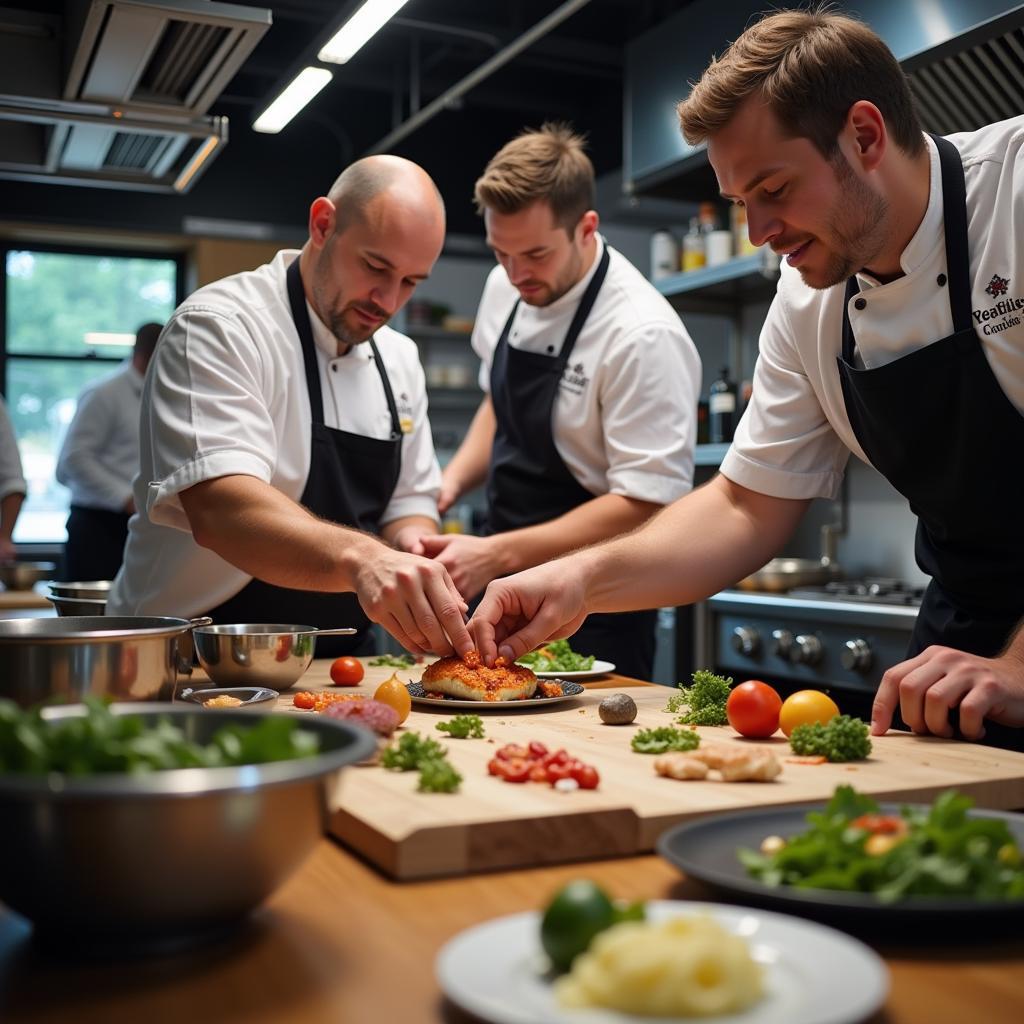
column 306, row 701
column 586, row 776
column 558, row 770
column 512, row 750
column 346, row 671
column 537, row 750
column 806, row 706
column 517, row 769
column 753, row 709
column 494, row 766
column 538, row 773
column 557, row 757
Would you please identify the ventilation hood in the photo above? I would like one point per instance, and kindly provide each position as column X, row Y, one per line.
column 114, row 93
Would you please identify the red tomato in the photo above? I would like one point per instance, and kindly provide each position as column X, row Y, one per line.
column 538, row 773
column 586, row 776
column 512, row 751
column 558, row 770
column 558, row 757
column 494, row 766
column 346, row 671
column 537, row 750
column 515, row 770
column 305, row 701
column 753, row 709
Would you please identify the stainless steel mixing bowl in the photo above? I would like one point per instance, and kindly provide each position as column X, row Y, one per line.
column 85, row 598
column 25, row 575
column 161, row 858
column 122, row 657
column 258, row 653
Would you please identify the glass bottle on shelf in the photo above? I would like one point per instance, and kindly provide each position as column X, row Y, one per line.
column 693, row 247
column 742, row 245
column 707, row 217
column 664, row 254
column 722, row 409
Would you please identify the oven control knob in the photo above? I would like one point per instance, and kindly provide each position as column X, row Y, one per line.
column 856, row 655
column 806, row 650
column 745, row 641
column 783, row 640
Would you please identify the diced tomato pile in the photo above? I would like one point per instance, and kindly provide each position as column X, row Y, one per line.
column 307, row 701
column 535, row 763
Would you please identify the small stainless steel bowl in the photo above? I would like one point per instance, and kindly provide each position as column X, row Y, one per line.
column 270, row 654
column 162, row 858
column 25, row 575
column 251, row 697
column 80, row 598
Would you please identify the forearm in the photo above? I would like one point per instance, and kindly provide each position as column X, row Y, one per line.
column 420, row 525
column 693, row 548
column 10, row 506
column 1015, row 645
column 260, row 531
column 596, row 520
column 468, row 466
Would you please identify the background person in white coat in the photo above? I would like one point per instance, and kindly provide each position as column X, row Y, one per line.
column 12, row 485
column 98, row 462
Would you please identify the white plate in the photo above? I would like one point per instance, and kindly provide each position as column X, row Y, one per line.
column 597, row 669
column 814, row 974
column 417, row 692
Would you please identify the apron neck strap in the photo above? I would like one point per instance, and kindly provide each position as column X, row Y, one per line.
column 954, row 217
column 300, row 317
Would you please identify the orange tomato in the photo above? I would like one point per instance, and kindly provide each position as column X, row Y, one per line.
column 806, row 706
column 394, row 693
column 346, row 671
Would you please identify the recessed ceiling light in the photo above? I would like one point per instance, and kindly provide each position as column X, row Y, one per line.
column 299, row 91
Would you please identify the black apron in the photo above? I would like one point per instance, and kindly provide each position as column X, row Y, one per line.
column 351, row 480
column 94, row 549
column 529, row 483
column 939, row 427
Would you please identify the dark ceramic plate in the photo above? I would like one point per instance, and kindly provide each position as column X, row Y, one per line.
column 569, row 690
column 706, row 851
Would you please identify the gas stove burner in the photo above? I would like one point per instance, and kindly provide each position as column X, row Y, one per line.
column 871, row 589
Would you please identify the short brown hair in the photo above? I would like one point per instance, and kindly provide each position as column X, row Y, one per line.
column 549, row 164
column 810, row 67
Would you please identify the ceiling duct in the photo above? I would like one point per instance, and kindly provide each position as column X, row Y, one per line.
column 131, row 110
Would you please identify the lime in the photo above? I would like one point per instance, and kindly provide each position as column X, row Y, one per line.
column 576, row 914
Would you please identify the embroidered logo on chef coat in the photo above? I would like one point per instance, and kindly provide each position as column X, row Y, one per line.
column 997, row 286
column 575, row 379
column 405, row 420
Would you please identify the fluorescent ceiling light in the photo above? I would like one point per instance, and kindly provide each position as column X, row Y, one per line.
column 199, row 157
column 108, row 338
column 302, row 88
column 341, row 47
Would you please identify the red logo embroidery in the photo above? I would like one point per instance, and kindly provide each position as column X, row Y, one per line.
column 997, row 286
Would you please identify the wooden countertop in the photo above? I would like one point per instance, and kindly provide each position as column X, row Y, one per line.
column 21, row 599
column 341, row 944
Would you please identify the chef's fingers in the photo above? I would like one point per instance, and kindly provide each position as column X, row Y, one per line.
column 482, row 633
column 913, row 689
column 441, row 613
column 887, row 698
column 549, row 622
column 980, row 702
column 391, row 623
column 940, row 698
column 435, row 543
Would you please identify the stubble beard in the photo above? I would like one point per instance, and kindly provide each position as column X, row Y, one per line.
column 564, row 283
column 857, row 228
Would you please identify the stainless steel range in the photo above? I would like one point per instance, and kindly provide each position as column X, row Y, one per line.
column 841, row 636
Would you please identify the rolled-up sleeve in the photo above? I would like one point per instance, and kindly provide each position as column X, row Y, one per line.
column 784, row 444
column 207, row 414
column 12, row 478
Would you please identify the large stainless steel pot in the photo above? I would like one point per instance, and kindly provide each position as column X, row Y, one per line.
column 160, row 858
column 127, row 658
column 782, row 574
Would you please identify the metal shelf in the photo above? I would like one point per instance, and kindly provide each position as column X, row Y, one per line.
column 454, row 399
column 428, row 332
column 722, row 288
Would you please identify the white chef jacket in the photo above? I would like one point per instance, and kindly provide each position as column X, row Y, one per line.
column 795, row 437
column 226, row 394
column 12, row 479
column 625, row 419
column 100, row 454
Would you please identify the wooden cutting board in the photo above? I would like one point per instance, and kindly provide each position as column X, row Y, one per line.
column 490, row 824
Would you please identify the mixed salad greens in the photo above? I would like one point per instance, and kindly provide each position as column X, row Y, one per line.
column 102, row 742
column 939, row 851
column 663, row 738
column 557, row 656
column 703, row 702
column 414, row 752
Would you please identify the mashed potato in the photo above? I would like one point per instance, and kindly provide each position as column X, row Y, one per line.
column 684, row 967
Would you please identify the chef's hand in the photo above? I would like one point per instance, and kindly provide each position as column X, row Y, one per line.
column 414, row 599
column 410, row 539
column 928, row 687
column 472, row 562
column 451, row 489
column 521, row 612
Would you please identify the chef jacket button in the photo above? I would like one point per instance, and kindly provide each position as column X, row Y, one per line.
column 334, row 367
column 551, row 348
column 940, row 280
column 860, row 303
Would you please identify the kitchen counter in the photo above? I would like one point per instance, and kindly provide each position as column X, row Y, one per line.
column 341, row 943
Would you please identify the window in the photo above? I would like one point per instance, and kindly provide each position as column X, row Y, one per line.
column 57, row 302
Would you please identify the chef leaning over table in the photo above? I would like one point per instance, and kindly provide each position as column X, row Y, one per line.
column 591, row 384
column 284, row 425
column 897, row 333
